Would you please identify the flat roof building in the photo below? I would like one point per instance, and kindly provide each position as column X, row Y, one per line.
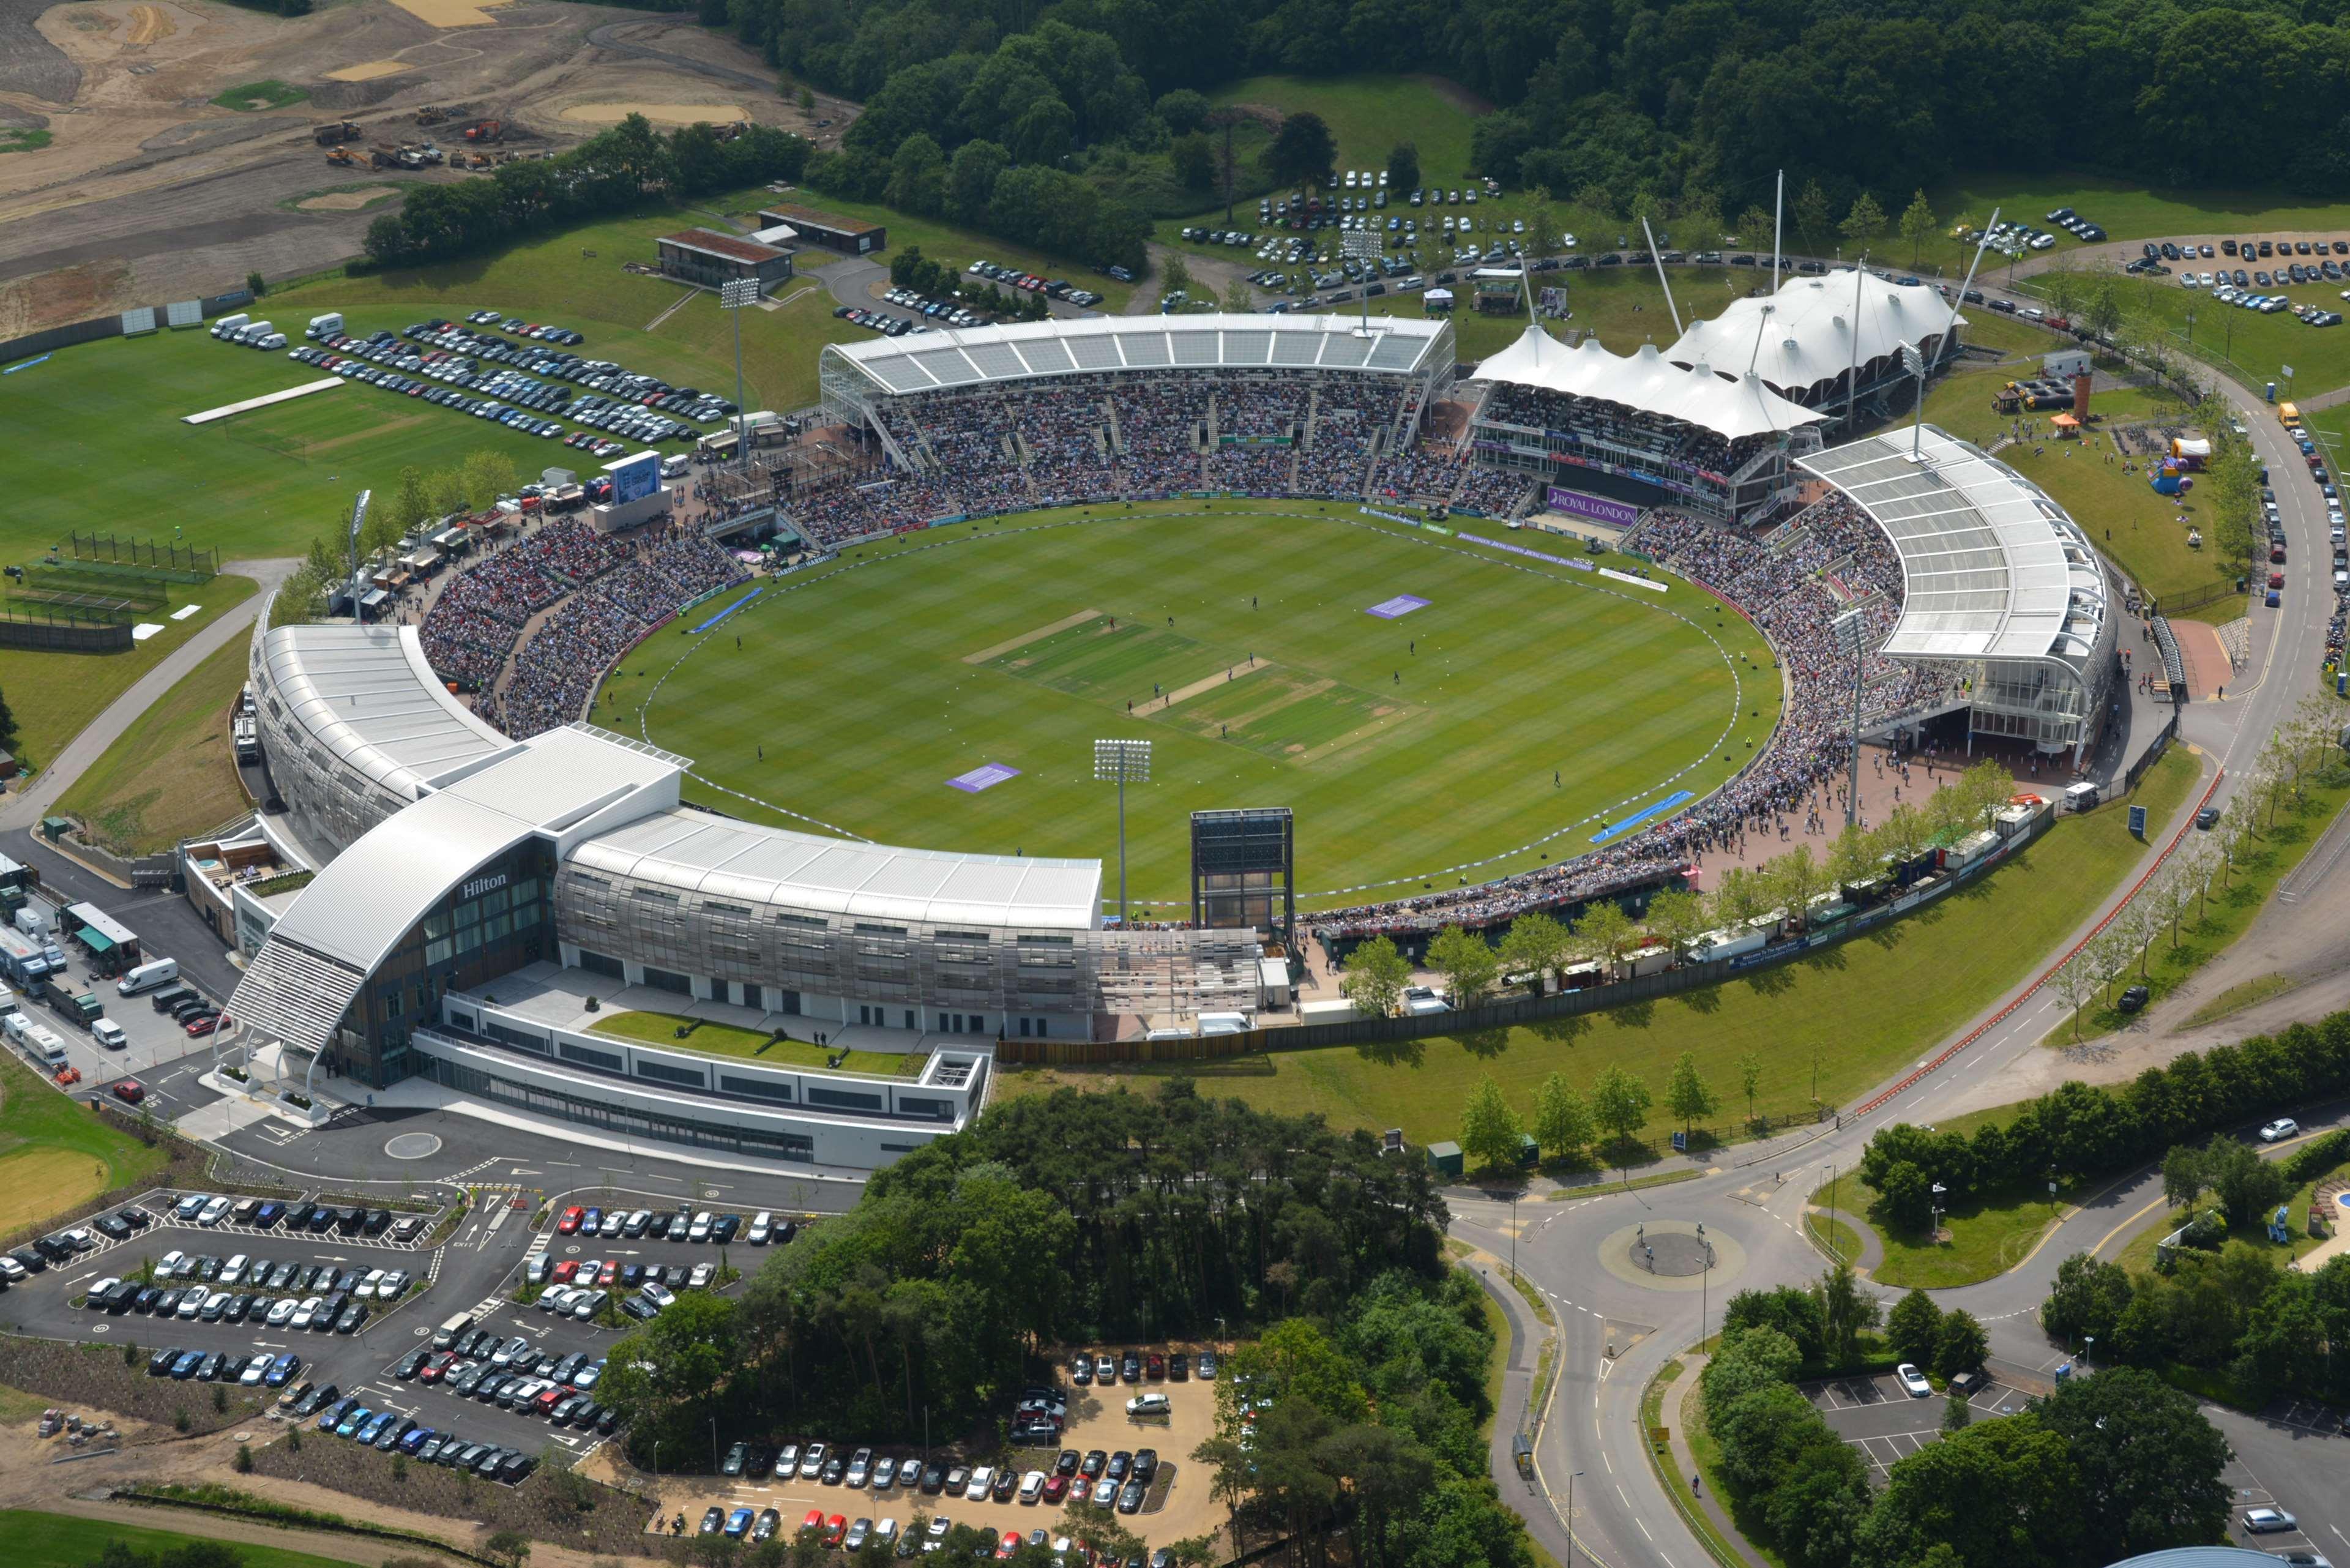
column 851, row 236
column 710, row 258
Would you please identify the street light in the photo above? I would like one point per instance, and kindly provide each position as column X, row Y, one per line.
column 1705, row 1285
column 733, row 297
column 1117, row 761
column 1570, row 1517
column 1851, row 630
column 2089, row 1348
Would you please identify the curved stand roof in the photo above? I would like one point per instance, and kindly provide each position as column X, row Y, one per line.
column 1804, row 335
column 1645, row 379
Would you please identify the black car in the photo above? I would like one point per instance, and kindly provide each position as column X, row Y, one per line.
column 160, row 1364
column 2208, row 818
column 411, row 1363
column 2134, row 997
column 934, row 1476
column 1129, row 1366
column 736, row 1457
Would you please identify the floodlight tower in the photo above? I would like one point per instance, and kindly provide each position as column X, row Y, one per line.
column 732, row 299
column 358, row 521
column 1362, row 245
column 1117, row 761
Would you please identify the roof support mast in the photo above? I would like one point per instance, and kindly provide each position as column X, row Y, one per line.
column 1917, row 435
column 1852, row 376
column 1658, row 258
column 1778, row 227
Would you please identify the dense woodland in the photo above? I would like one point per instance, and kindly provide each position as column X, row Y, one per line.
column 1699, row 100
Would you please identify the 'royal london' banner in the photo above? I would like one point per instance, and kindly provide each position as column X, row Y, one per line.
column 1615, row 513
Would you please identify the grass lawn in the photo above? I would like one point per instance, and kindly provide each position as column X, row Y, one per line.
column 2128, row 212
column 2121, row 512
column 1988, row 1236
column 22, row 140
column 265, row 94
column 54, row 1153
column 2225, row 913
column 1840, row 1239
column 2258, row 346
column 1368, row 115
column 725, row 1040
column 1865, row 1005
column 2237, row 997
column 60, row 1541
column 173, row 774
column 1751, row 1530
column 1404, row 745
column 54, row 695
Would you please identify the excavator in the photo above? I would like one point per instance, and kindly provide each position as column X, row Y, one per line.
column 486, row 131
column 342, row 157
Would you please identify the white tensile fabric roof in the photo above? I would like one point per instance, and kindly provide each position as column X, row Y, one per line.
column 974, row 356
column 1645, row 379
column 1992, row 567
column 1805, row 330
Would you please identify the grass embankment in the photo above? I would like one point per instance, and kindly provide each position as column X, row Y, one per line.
column 56, row 695
column 56, row 1153
column 2238, row 997
column 1016, row 642
column 23, row 141
column 172, row 774
column 2126, row 212
column 2204, row 933
column 1865, row 1006
column 259, row 97
column 1707, row 1454
column 726, row 1040
column 1840, row 1240
column 63, row 1540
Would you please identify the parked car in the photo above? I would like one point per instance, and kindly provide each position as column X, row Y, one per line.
column 2281, row 1128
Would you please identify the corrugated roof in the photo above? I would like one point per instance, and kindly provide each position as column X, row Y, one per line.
column 1804, row 334
column 1647, row 380
column 729, row 247
column 1397, row 346
column 368, row 696
column 1990, row 566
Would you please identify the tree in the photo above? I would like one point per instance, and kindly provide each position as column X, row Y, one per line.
column 1375, row 977
column 1533, row 946
column 1688, row 1094
column 1795, row 878
column 1562, row 1121
column 1754, row 226
column 1847, row 1312
column 1907, row 1194
column 1750, row 1079
column 2247, row 1186
column 971, row 180
column 1676, row 918
column 1956, row 1414
column 1193, row 159
column 487, row 476
column 1914, row 1327
column 1963, row 1345
column 1183, row 110
column 1175, row 278
column 1238, row 298
column 1812, row 215
column 2182, row 1175
column 1619, row 1102
column 1742, row 896
column 1998, row 1492
column 1607, row 933
column 917, row 176
column 7, row 726
column 1917, row 225
column 1466, row 961
column 1854, row 858
column 1302, row 152
column 1490, row 1129
column 2086, row 1300
column 2147, row 1462
column 2075, row 985
column 1864, row 221
column 1403, row 168
column 256, row 285
column 510, row 1547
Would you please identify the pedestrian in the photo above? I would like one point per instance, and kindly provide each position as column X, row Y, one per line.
column 1399, row 676
column 763, row 753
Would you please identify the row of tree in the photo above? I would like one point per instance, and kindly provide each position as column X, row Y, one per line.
column 2237, row 1312
column 618, row 171
column 1537, row 946
column 474, row 484
column 983, row 186
column 2105, row 1468
column 1052, row 1219
column 1567, row 1123
column 2078, row 1131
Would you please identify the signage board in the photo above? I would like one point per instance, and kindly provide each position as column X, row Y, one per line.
column 1599, row 509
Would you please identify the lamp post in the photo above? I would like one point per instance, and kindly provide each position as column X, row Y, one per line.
column 1934, row 1212
column 1705, row 1286
column 733, row 297
column 713, row 1444
column 1514, row 1238
column 1570, row 1517
column 1851, row 636
column 2089, row 1349
column 1117, row 761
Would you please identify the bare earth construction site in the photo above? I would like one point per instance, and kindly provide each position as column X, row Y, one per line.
column 151, row 187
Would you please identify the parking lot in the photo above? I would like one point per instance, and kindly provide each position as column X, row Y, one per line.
column 1176, row 1504
column 1887, row 1425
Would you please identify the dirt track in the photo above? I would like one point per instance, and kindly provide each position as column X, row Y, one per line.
column 148, row 193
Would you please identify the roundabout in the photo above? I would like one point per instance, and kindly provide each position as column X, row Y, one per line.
column 1433, row 708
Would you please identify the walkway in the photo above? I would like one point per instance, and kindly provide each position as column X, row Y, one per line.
column 1673, row 1414
column 28, row 807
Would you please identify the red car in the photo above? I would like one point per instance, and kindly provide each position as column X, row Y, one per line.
column 203, row 1023
column 814, row 1520
column 610, row 1275
column 1056, row 1487
column 1010, row 1544
column 437, row 1368
column 835, row 1528
column 565, row 1272
column 130, row 1090
column 548, row 1398
column 570, row 1223
column 1154, row 1366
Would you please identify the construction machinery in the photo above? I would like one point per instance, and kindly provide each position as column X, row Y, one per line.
column 342, row 157
column 335, row 134
column 433, row 114
column 383, row 155
column 486, row 131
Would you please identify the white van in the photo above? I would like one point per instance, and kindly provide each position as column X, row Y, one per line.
column 18, row 1027
column 328, row 326
column 227, row 325
column 2080, row 796
column 673, row 467
column 252, row 332
column 1223, row 1022
column 33, row 920
column 7, row 1000
column 148, row 976
column 109, row 1034
column 275, row 341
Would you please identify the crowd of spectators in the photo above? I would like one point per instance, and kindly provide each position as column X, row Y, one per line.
column 1669, row 443
column 555, row 674
column 472, row 625
column 1782, row 584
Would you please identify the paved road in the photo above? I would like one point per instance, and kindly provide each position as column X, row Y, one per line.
column 1577, row 1250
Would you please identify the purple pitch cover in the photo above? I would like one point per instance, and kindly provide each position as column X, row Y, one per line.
column 987, row 775
column 1401, row 604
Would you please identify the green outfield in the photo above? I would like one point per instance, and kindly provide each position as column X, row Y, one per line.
column 1406, row 746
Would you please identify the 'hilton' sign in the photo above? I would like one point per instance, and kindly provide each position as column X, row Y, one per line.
column 481, row 885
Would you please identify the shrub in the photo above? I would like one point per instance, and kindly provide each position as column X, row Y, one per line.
column 245, row 1459
column 179, row 1420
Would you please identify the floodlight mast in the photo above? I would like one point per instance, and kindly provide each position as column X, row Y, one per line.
column 733, row 297
column 1362, row 245
column 358, row 521
column 1117, row 761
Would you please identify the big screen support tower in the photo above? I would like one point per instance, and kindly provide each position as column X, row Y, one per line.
column 1245, row 869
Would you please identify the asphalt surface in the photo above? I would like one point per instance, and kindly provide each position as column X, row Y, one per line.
column 1618, row 1327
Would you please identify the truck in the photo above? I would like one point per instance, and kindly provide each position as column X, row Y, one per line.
column 335, row 131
